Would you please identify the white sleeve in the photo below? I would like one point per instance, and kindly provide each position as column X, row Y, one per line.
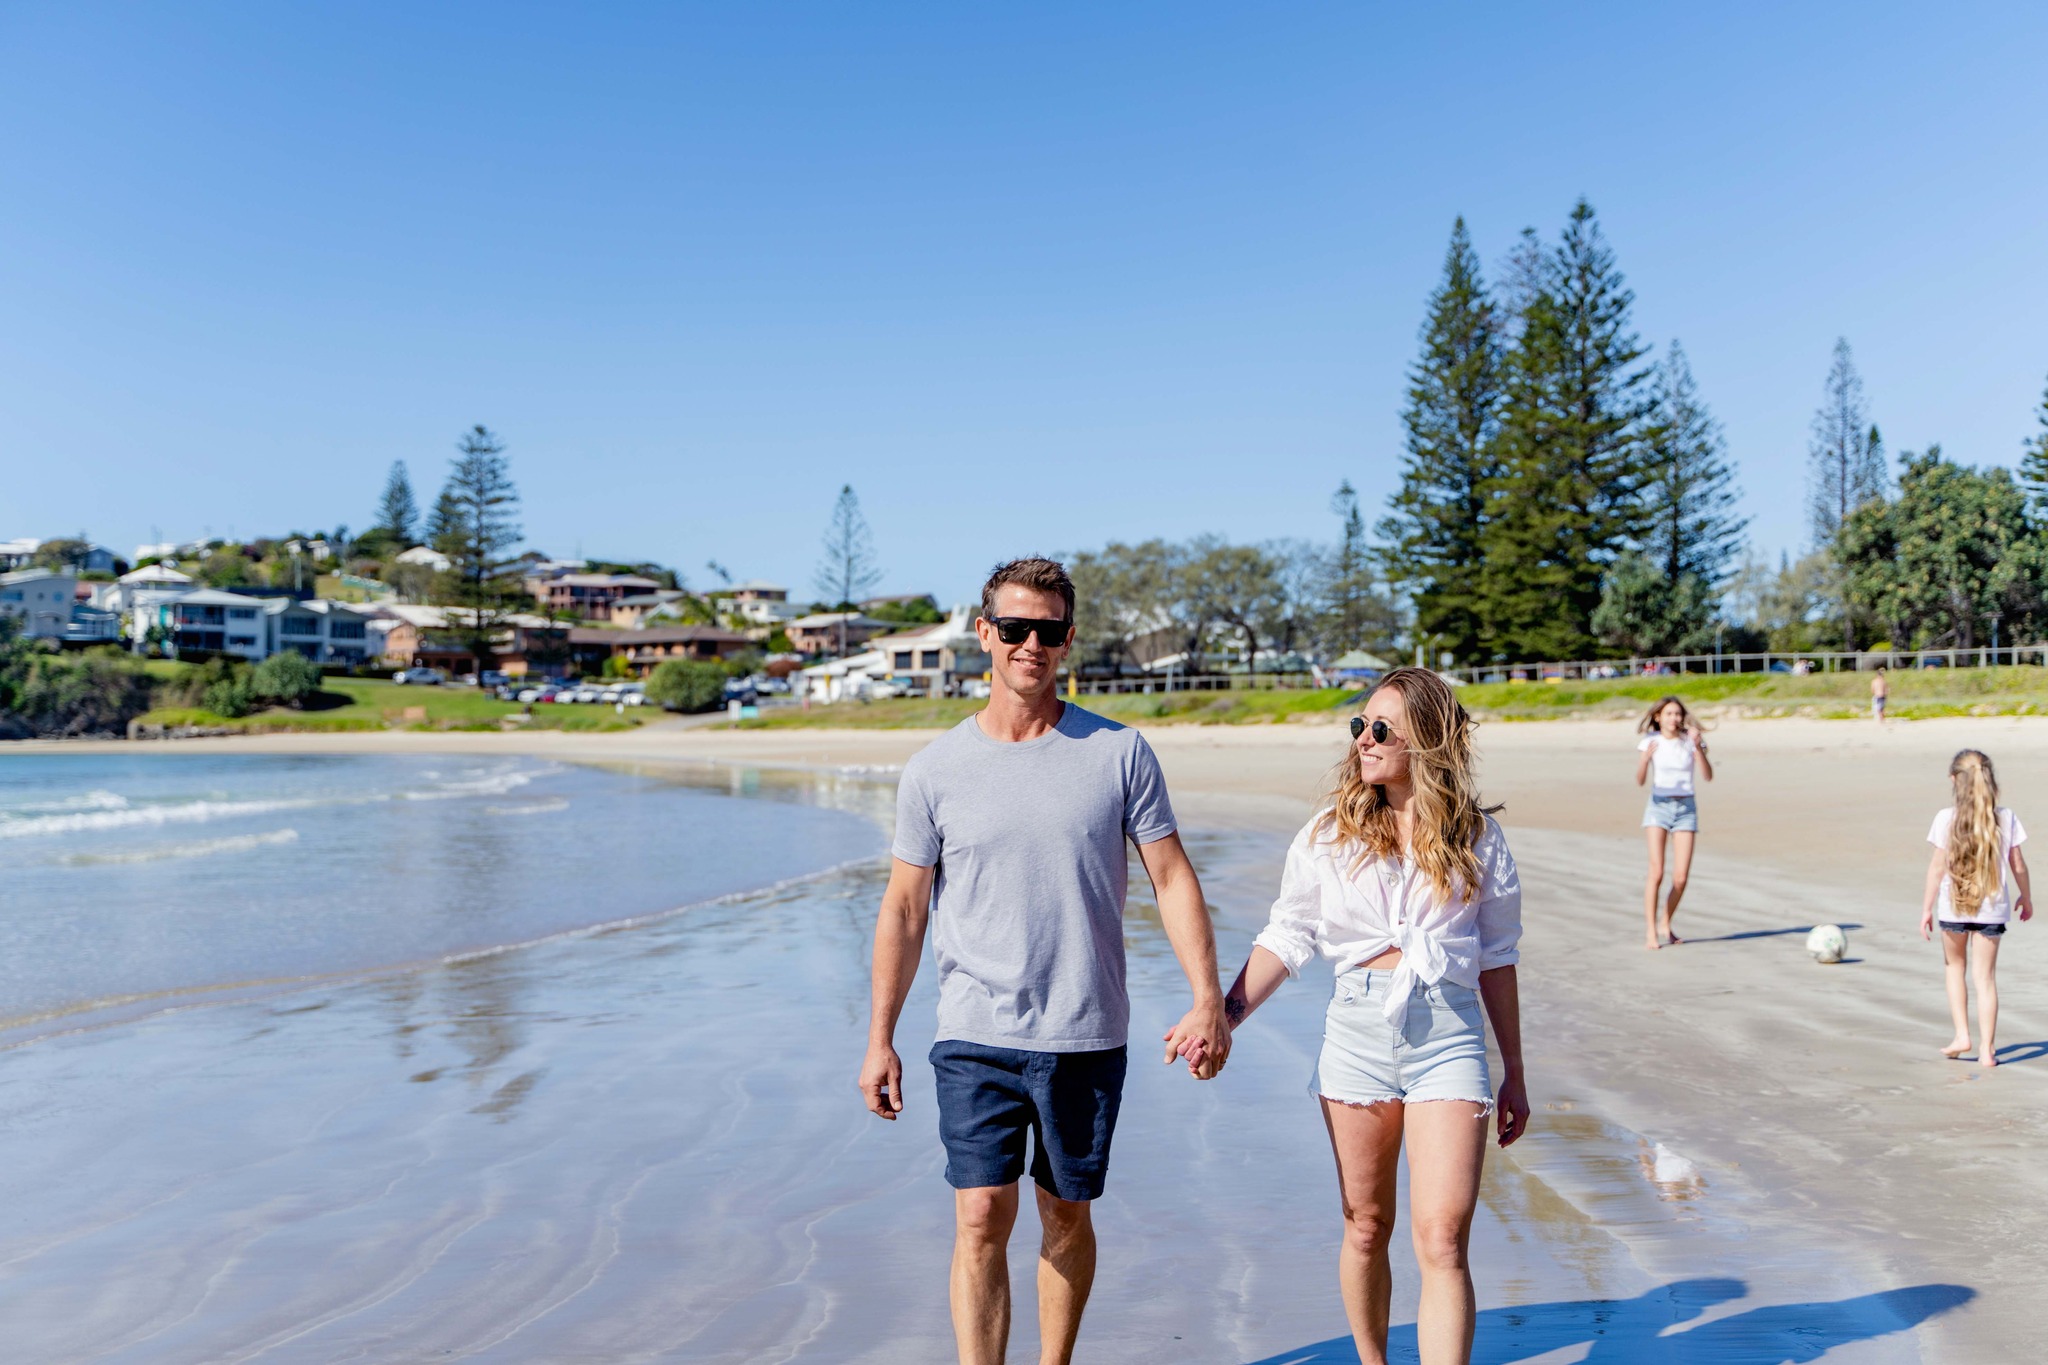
column 1500, row 902
column 1648, row 740
column 1937, row 833
column 1296, row 919
column 2016, row 832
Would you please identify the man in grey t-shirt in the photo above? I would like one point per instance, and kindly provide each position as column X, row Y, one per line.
column 1011, row 832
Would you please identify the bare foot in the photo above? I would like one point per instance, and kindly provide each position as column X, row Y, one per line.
column 1987, row 1057
column 1675, row 938
column 1652, row 944
column 1956, row 1048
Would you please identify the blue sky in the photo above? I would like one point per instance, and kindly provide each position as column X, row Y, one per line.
column 1029, row 277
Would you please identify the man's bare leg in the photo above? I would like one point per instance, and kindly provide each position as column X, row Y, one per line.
column 983, row 1217
column 1066, row 1271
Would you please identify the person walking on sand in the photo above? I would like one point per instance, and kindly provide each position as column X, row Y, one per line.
column 1880, row 688
column 1673, row 750
column 1010, row 843
column 1976, row 842
column 1405, row 882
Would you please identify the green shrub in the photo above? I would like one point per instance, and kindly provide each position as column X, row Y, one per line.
column 285, row 679
column 93, row 693
column 687, row 685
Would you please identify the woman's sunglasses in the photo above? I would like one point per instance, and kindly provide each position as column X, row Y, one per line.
column 1015, row 630
column 1381, row 731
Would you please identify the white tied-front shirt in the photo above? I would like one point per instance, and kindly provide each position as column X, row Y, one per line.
column 1351, row 910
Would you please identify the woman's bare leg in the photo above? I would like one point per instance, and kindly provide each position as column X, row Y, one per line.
column 1446, row 1152
column 1652, row 884
column 1954, row 949
column 1983, row 975
column 1367, row 1141
column 1681, row 868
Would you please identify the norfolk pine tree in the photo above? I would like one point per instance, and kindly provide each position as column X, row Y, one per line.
column 1845, row 464
column 1690, row 493
column 848, row 572
column 2034, row 463
column 1574, row 449
column 397, row 512
column 478, row 534
column 1435, row 529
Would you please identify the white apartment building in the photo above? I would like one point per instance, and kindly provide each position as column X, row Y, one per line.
column 325, row 632
column 40, row 599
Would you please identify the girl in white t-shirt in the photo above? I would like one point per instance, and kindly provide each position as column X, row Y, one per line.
column 1672, row 752
column 1976, row 842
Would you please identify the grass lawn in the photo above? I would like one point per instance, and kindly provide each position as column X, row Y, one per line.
column 1177, row 708
column 375, row 704
column 1915, row 694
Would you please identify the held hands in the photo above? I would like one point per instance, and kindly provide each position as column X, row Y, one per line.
column 881, row 1081
column 1202, row 1037
column 1511, row 1111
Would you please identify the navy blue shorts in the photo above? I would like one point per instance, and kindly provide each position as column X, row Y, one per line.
column 990, row 1097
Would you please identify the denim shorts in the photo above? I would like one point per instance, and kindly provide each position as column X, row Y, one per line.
column 1679, row 814
column 1966, row 926
column 1439, row 1054
column 990, row 1097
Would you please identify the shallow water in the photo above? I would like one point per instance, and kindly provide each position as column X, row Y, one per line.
column 644, row 1144
column 141, row 877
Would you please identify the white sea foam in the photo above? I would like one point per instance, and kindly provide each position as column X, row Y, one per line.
column 543, row 807
column 100, row 812
column 1669, row 1168
column 92, row 800
column 201, row 848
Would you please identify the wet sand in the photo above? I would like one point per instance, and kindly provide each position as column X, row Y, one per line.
column 644, row 1145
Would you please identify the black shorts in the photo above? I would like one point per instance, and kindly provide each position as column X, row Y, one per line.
column 990, row 1097
column 1959, row 926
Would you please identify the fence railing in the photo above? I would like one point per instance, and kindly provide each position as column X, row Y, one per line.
column 1578, row 670
column 1773, row 661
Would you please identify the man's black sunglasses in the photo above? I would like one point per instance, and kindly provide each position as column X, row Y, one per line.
column 1381, row 731
column 1015, row 630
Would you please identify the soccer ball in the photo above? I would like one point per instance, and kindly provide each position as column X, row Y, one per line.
column 1827, row 943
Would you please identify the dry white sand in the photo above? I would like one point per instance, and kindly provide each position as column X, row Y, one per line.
column 1778, row 1123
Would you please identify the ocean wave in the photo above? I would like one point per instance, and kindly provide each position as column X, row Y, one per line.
column 99, row 812
column 545, row 806
column 92, row 800
column 203, row 848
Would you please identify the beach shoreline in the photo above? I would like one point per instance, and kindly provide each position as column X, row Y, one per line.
column 1804, row 1103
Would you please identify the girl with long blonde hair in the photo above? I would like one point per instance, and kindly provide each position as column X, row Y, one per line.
column 1404, row 881
column 1976, row 843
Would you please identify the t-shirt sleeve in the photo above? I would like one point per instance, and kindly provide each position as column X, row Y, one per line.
column 1148, row 815
column 1500, row 902
column 2016, row 833
column 1648, row 741
column 917, row 827
column 1937, row 834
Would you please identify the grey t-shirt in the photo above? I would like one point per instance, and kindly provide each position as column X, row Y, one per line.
column 1028, row 905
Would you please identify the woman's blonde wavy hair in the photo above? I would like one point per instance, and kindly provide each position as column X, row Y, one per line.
column 1973, row 871
column 1448, row 816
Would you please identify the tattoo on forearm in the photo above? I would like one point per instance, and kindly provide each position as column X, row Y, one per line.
column 1233, row 1009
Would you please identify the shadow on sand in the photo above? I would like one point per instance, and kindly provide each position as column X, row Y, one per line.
column 1633, row 1331
column 1769, row 933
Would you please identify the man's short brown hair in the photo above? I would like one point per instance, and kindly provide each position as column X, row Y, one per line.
column 1039, row 574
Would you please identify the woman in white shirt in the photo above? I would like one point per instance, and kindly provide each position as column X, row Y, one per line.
column 1672, row 750
column 1405, row 882
column 1976, row 842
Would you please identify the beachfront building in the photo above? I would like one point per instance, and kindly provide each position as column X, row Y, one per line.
column 849, row 679
column 210, row 621
column 630, row 613
column 40, row 599
column 643, row 650
column 590, row 595
column 759, row 603
column 325, row 632
column 933, row 661
column 819, row 633
column 427, row 556
column 407, row 635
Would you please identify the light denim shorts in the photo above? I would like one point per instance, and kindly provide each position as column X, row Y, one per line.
column 1679, row 814
column 1439, row 1055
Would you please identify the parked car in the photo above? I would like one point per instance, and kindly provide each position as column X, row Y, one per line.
column 589, row 693
column 975, row 687
column 542, row 692
column 418, row 677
